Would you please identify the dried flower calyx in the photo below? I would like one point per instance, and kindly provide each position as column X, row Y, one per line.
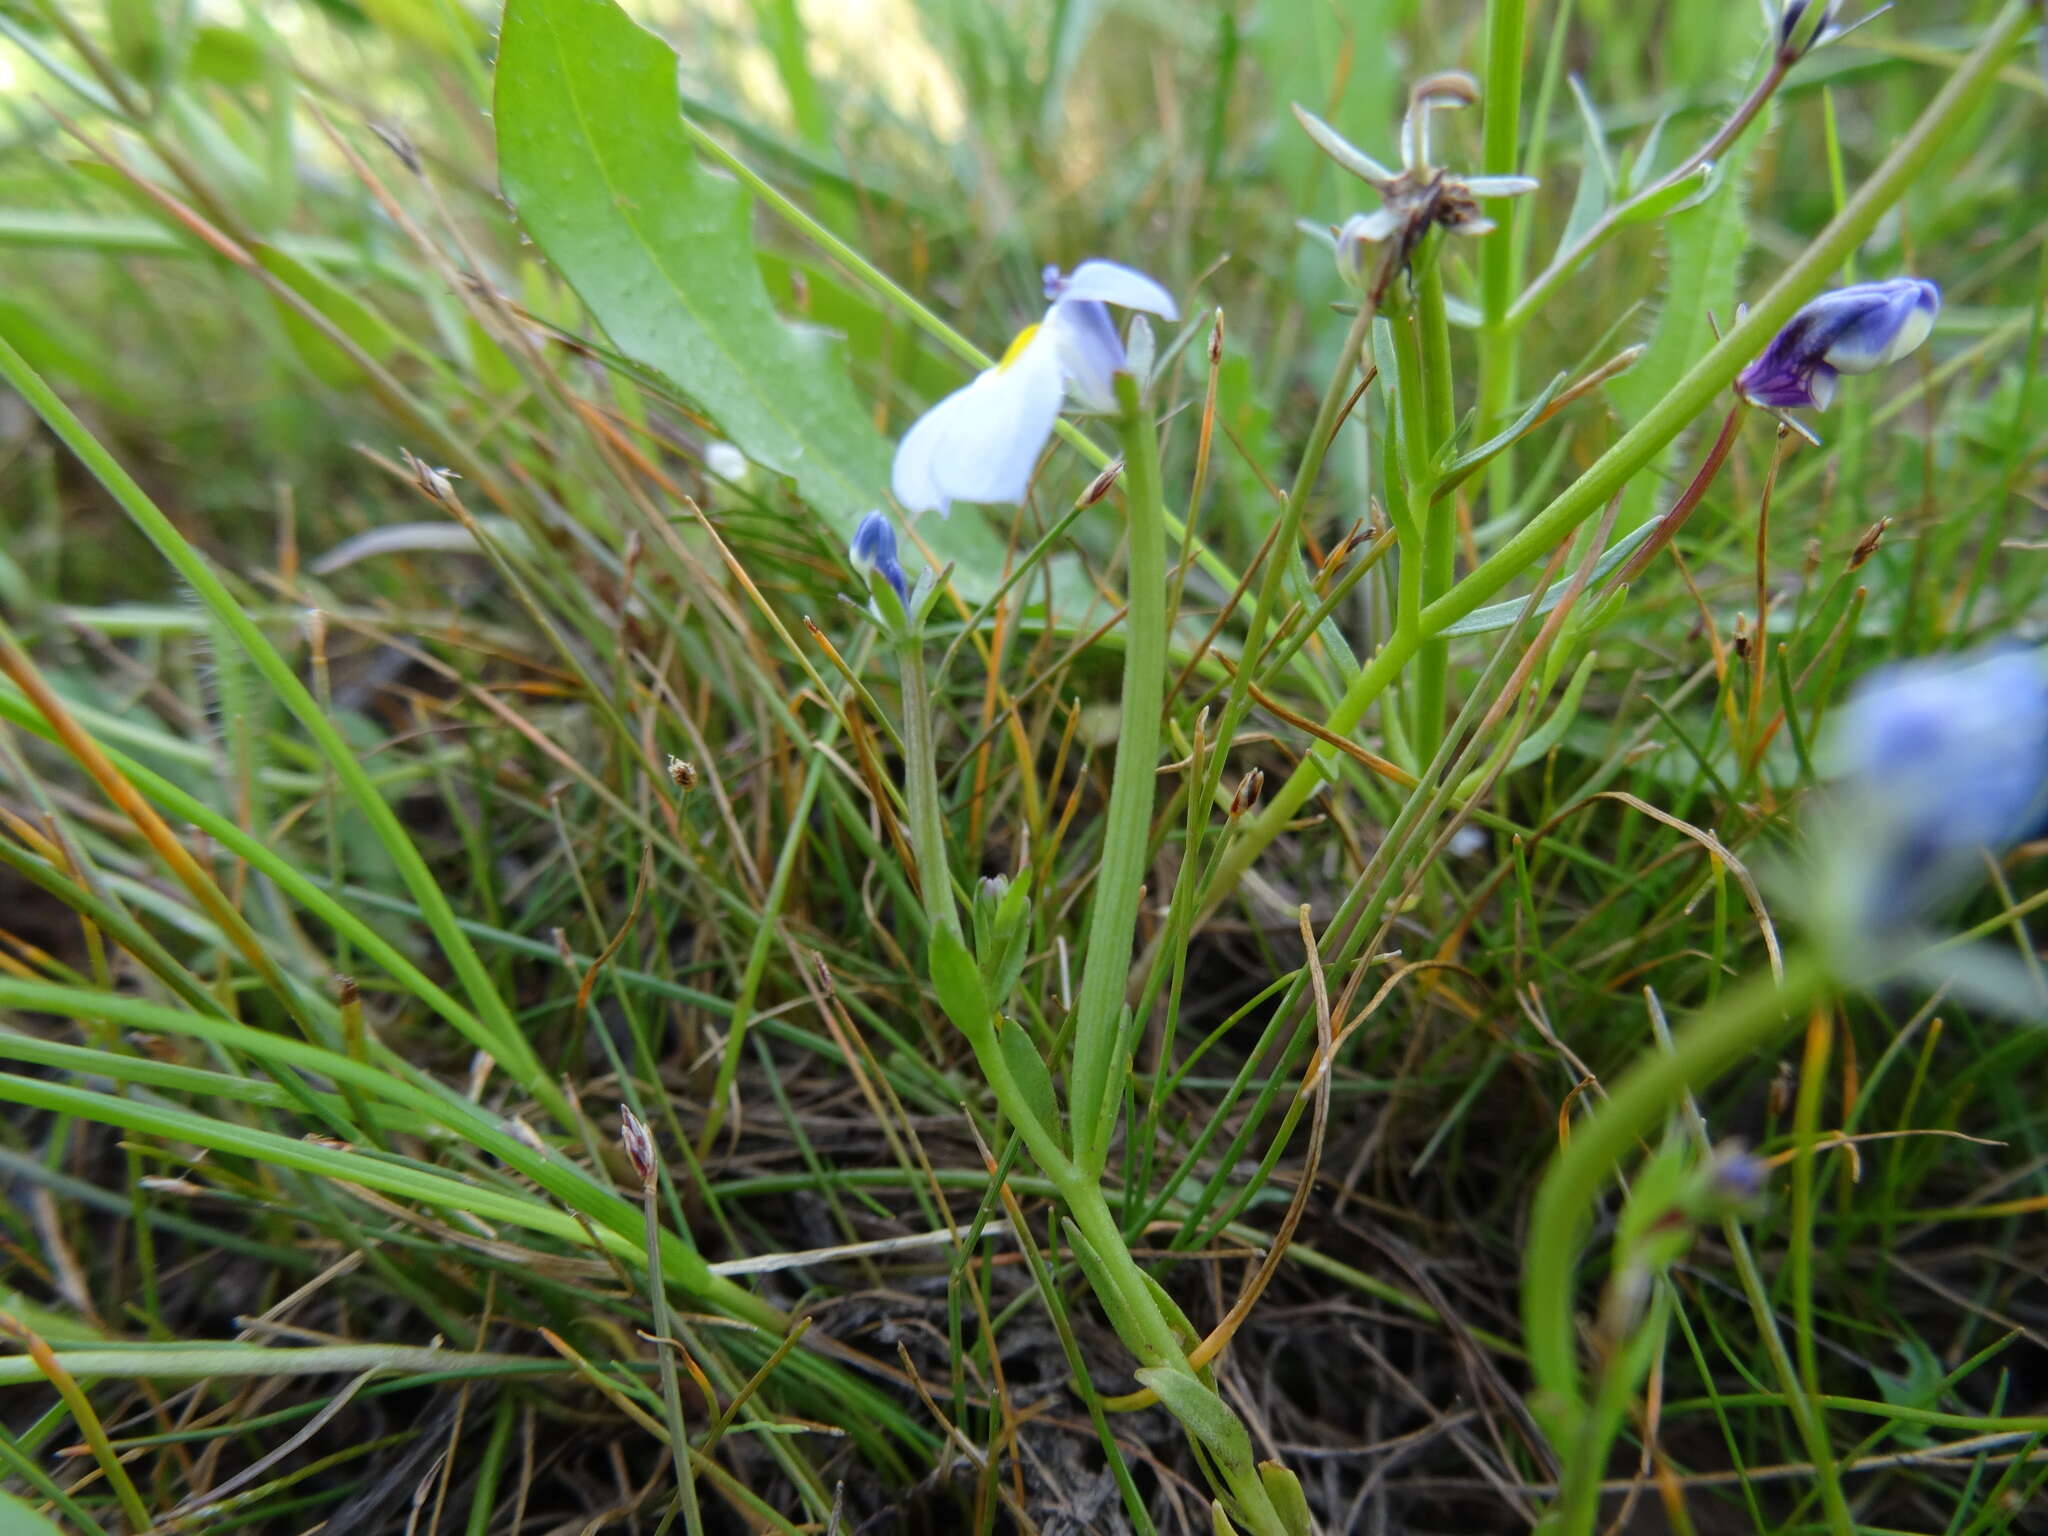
column 1419, row 196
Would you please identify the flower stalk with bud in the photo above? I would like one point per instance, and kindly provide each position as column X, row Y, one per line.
column 982, row 443
column 1938, row 762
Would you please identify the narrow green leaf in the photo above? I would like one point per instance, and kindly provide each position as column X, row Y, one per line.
column 1170, row 1310
column 18, row 1517
column 957, row 980
column 1451, row 470
column 1679, row 195
column 1551, row 732
column 1704, row 246
column 226, row 56
column 1103, row 1284
column 1028, row 1067
column 350, row 315
column 1284, row 1489
column 1596, row 177
column 1207, row 1417
column 1494, row 616
column 140, row 38
column 197, row 1359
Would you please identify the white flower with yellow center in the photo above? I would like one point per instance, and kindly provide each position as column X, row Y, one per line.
column 982, row 442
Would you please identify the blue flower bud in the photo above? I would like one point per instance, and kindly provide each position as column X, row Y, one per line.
column 1940, row 759
column 873, row 551
column 1735, row 1180
column 1850, row 330
column 1794, row 13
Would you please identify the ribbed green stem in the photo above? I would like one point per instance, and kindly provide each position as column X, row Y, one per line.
column 1127, row 824
column 921, row 791
column 1144, row 1326
column 1500, row 155
column 1122, row 1287
column 1430, row 362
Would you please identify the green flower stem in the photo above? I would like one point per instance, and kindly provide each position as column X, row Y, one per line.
column 1433, row 320
column 921, row 789
column 927, row 832
column 1804, row 1409
column 1127, row 824
column 1637, row 448
column 1125, row 1293
column 1566, row 261
column 1499, row 253
column 1427, row 423
column 671, row 1392
column 1742, row 1023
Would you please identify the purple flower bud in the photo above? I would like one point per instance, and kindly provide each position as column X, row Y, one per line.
column 874, row 550
column 1851, row 330
column 1941, row 759
column 1795, row 12
column 1736, row 1178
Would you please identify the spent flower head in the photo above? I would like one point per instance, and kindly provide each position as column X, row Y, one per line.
column 982, row 442
column 1420, row 195
column 1858, row 329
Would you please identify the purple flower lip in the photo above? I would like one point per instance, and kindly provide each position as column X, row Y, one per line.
column 1849, row 330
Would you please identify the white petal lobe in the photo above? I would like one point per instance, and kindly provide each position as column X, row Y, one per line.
column 1111, row 282
column 911, row 478
column 982, row 442
column 1918, row 326
column 1499, row 186
column 1090, row 354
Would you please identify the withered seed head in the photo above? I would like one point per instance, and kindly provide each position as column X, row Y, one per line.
column 399, row 145
column 1249, row 788
column 638, row 1141
column 1867, row 545
column 436, row 480
column 1780, row 1099
column 1099, row 486
column 683, row 773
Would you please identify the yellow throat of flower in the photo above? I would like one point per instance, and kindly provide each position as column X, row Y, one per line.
column 1017, row 346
